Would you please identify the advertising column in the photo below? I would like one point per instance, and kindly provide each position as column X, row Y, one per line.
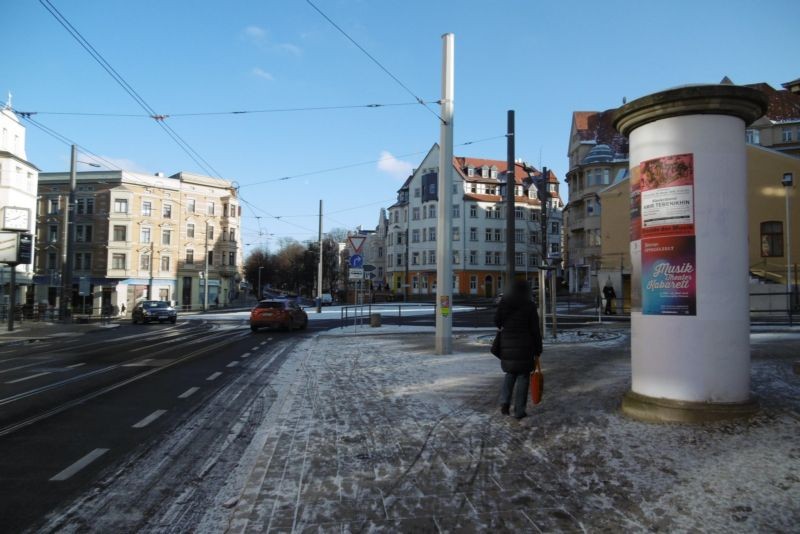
column 690, row 322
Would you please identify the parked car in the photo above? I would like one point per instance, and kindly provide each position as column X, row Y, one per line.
column 275, row 313
column 154, row 310
column 326, row 299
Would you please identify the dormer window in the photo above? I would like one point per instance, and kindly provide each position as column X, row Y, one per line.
column 470, row 171
column 485, row 171
column 494, row 172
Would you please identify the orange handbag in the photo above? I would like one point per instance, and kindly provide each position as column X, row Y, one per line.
column 537, row 383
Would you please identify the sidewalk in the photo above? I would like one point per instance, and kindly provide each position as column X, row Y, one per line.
column 377, row 433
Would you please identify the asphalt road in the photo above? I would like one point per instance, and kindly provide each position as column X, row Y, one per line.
column 73, row 409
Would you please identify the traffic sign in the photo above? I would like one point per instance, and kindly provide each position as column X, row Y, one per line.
column 368, row 268
column 356, row 273
column 356, row 260
column 356, row 242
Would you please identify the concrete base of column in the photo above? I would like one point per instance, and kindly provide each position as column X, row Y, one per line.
column 655, row 410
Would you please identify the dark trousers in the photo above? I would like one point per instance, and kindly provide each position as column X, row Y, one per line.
column 518, row 383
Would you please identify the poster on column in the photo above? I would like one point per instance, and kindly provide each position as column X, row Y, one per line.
column 669, row 276
column 668, row 253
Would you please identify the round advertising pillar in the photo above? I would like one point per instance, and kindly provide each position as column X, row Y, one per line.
column 690, row 312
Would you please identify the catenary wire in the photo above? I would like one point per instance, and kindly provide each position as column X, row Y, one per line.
column 374, row 60
column 191, row 152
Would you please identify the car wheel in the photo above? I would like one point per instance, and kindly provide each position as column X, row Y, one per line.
column 253, row 328
column 304, row 325
column 173, row 320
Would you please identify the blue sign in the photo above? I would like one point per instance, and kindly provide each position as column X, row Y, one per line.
column 356, row 260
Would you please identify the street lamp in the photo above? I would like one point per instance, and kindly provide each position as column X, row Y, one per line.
column 788, row 181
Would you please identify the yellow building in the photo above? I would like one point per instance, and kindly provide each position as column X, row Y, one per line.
column 767, row 224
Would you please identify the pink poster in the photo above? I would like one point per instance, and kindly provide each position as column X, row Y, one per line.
column 669, row 276
column 667, row 196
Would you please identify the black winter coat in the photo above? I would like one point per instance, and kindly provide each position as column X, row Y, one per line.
column 521, row 339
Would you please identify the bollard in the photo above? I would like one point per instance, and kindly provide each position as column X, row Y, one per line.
column 375, row 320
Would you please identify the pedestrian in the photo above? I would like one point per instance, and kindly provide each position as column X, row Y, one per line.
column 520, row 345
column 609, row 295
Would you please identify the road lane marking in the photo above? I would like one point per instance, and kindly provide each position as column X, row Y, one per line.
column 232, row 364
column 74, row 365
column 28, row 377
column 214, row 376
column 255, row 348
column 149, row 419
column 188, row 393
column 246, row 355
column 42, row 362
column 80, row 464
column 263, row 343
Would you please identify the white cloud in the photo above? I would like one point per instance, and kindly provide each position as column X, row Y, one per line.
column 259, row 37
column 394, row 167
column 261, row 73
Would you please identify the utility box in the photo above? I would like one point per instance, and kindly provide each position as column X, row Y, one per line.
column 375, row 320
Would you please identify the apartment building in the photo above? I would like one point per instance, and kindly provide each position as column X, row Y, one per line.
column 139, row 236
column 779, row 128
column 478, row 230
column 18, row 179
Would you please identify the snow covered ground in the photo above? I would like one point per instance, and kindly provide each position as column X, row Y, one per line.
column 379, row 434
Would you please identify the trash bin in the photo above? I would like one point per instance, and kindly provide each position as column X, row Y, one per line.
column 375, row 319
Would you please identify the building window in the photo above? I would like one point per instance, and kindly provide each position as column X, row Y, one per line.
column 432, row 233
column 118, row 261
column 190, row 205
column 456, row 211
column 120, row 233
column 166, row 237
column 52, row 206
column 519, row 214
column 52, row 233
column 488, row 236
column 772, row 239
column 145, row 235
column 519, row 259
column 144, row 262
column 190, row 231
column 211, row 208
column 519, row 235
column 210, row 232
column 487, row 260
column 165, row 263
column 431, row 256
column 231, row 258
column 232, row 234
column 456, row 258
column 554, row 248
column 786, row 135
column 498, row 235
column 424, row 234
column 190, row 257
column 473, row 211
column 415, row 258
column 417, row 192
column 83, row 261
column 456, row 233
column 84, row 206
column 473, row 234
column 415, row 236
column 83, row 233
column 554, row 228
column 470, row 171
column 166, row 211
column 473, row 257
column 120, row 205
column 210, row 257
column 51, row 260
column 473, row 282
column 432, row 211
column 414, row 214
column 147, row 208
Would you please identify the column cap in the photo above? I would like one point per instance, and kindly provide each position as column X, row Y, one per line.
column 744, row 102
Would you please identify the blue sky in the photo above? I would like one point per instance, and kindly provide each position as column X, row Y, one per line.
column 542, row 59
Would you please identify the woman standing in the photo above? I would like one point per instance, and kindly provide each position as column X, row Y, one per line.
column 520, row 345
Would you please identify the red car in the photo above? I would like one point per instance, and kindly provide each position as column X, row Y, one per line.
column 282, row 313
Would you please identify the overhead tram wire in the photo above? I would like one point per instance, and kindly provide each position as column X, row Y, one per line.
column 27, row 114
column 378, row 63
column 191, row 152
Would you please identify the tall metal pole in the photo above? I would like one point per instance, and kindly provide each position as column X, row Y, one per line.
column 205, row 278
column 319, row 268
column 444, row 247
column 510, row 213
column 788, row 181
column 68, row 238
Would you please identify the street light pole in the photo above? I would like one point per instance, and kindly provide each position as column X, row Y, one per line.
column 788, row 182
column 68, row 235
column 205, row 277
column 259, row 296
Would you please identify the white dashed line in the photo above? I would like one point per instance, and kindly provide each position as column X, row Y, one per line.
column 263, row 343
column 74, row 365
column 232, row 364
column 246, row 355
column 214, row 376
column 149, row 419
column 188, row 393
column 80, row 464
column 28, row 378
